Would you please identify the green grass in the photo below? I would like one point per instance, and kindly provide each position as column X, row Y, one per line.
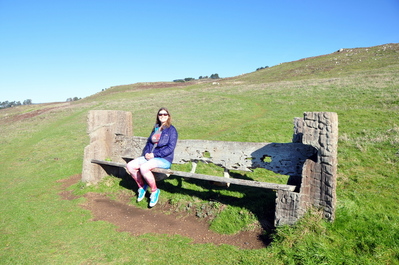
column 361, row 85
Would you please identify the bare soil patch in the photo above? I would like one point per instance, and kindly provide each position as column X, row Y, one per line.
column 158, row 220
column 44, row 108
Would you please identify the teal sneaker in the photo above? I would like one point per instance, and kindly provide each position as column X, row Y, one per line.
column 154, row 197
column 141, row 193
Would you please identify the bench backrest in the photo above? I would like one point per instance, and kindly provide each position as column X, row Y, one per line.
column 281, row 158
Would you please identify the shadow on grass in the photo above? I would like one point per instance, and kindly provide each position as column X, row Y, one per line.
column 260, row 202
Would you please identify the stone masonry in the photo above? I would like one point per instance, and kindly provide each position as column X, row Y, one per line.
column 317, row 184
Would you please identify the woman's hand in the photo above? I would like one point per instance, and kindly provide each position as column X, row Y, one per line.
column 149, row 156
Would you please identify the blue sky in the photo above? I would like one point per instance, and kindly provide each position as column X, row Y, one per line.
column 53, row 50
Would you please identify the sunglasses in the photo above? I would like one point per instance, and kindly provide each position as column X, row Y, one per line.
column 163, row 114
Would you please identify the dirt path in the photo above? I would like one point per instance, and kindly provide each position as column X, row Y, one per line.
column 137, row 221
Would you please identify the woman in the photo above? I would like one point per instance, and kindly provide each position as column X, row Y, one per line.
column 158, row 152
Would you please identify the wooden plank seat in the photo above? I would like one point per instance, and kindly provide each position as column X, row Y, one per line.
column 168, row 172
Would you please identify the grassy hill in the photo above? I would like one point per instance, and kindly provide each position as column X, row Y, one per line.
column 42, row 145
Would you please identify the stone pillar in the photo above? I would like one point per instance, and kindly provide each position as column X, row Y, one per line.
column 103, row 127
column 319, row 174
column 317, row 184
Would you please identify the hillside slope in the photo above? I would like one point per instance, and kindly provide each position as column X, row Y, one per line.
column 337, row 64
column 43, row 144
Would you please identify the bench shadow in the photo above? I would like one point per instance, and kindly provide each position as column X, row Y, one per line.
column 260, row 202
column 282, row 158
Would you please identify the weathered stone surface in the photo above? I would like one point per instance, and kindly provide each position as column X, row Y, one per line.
column 290, row 209
column 318, row 185
column 285, row 159
column 103, row 126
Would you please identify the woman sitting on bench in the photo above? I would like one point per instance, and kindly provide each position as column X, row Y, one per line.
column 158, row 153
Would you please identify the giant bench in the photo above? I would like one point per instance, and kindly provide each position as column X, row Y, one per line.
column 310, row 160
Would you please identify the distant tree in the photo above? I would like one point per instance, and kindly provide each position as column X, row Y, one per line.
column 179, row 80
column 27, row 102
column 188, row 79
column 9, row 104
column 72, row 99
column 4, row 104
column 260, row 68
column 215, row 76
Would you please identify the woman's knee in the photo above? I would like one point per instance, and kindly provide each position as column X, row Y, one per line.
column 145, row 168
column 150, row 165
column 135, row 164
column 132, row 167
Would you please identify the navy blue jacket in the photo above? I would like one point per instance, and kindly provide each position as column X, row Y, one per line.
column 166, row 145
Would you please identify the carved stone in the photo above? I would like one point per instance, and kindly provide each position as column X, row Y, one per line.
column 318, row 179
